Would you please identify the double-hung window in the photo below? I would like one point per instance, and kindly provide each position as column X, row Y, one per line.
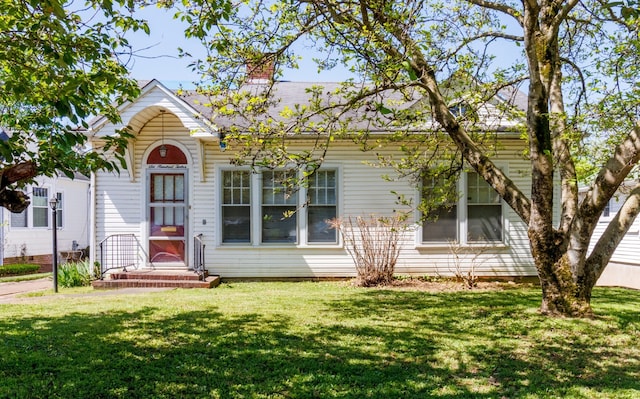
column 441, row 223
column 279, row 205
column 272, row 208
column 476, row 217
column 236, row 206
column 40, row 207
column 38, row 213
column 322, row 207
column 484, row 210
column 59, row 209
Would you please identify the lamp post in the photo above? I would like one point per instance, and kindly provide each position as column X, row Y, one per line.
column 53, row 203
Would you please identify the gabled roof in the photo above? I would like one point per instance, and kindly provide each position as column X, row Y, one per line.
column 154, row 97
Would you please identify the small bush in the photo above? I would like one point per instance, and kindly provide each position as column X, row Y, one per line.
column 374, row 245
column 74, row 274
column 18, row 269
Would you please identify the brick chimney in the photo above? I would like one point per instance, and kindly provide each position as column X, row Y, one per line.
column 261, row 69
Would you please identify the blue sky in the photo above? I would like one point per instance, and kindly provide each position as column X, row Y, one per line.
column 159, row 54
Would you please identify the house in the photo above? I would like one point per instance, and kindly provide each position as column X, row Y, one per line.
column 27, row 236
column 623, row 269
column 180, row 200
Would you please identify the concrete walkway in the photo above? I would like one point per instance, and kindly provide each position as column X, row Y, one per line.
column 13, row 292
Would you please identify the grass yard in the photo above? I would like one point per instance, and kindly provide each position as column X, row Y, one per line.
column 318, row 340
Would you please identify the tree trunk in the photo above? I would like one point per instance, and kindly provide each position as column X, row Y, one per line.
column 562, row 296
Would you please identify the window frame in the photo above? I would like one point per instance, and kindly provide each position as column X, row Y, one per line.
column 463, row 219
column 29, row 211
column 33, row 207
column 301, row 209
column 310, row 205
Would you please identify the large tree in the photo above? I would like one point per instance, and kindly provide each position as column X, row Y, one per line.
column 578, row 61
column 60, row 63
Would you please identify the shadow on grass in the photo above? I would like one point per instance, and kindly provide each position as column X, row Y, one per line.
column 363, row 344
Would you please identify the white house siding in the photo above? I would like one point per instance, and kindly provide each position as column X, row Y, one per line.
column 624, row 268
column 120, row 209
column 34, row 243
column 120, row 206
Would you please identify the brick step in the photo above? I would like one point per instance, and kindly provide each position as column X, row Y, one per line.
column 209, row 282
column 155, row 275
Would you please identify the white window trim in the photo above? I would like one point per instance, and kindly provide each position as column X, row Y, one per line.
column 255, row 239
column 29, row 210
column 463, row 220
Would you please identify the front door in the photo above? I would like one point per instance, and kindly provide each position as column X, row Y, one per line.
column 168, row 218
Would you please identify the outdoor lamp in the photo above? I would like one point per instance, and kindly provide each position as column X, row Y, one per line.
column 53, row 203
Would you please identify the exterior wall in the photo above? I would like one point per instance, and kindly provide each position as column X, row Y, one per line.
column 120, row 207
column 624, row 267
column 35, row 244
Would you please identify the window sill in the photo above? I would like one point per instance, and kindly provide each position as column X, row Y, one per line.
column 485, row 246
column 232, row 246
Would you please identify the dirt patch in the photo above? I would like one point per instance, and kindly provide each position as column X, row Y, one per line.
column 452, row 285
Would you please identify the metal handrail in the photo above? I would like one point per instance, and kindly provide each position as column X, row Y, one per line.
column 198, row 257
column 118, row 251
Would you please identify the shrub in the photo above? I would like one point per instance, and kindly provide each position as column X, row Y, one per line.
column 74, row 274
column 18, row 269
column 374, row 245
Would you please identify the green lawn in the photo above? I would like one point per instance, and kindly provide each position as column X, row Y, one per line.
column 318, row 340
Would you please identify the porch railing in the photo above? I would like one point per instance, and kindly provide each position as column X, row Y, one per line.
column 198, row 256
column 118, row 251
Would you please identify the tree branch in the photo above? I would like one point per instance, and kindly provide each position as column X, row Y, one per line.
column 611, row 175
column 512, row 12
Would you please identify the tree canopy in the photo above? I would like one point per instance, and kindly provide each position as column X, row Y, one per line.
column 58, row 67
column 576, row 60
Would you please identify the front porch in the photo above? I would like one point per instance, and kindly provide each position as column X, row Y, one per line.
column 156, row 279
column 121, row 266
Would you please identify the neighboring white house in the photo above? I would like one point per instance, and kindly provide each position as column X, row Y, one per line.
column 27, row 236
column 624, row 268
column 167, row 203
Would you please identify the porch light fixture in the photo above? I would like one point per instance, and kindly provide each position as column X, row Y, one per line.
column 53, row 204
column 163, row 148
column 223, row 144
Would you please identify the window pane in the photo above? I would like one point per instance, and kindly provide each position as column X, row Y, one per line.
column 276, row 227
column 236, row 224
column 484, row 223
column 169, row 188
column 19, row 219
column 441, row 225
column 317, row 226
column 235, row 189
column 40, row 217
column 156, row 192
column 180, row 188
column 275, row 190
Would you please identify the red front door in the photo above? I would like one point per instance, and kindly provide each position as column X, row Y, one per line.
column 167, row 218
